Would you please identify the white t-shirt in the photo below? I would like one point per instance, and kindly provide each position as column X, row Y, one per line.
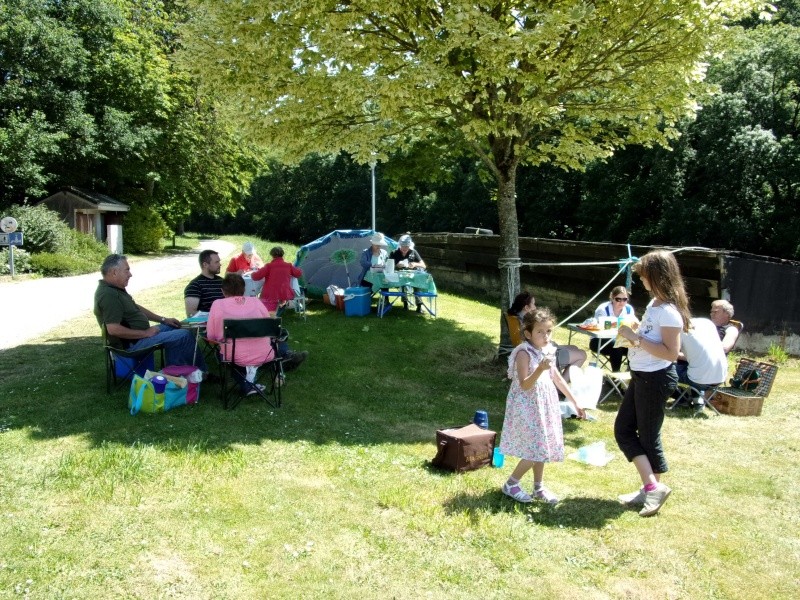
column 606, row 309
column 704, row 353
column 655, row 317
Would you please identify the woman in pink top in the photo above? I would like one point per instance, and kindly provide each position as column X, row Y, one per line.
column 235, row 305
column 277, row 275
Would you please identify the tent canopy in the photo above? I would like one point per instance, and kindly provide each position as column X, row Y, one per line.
column 334, row 259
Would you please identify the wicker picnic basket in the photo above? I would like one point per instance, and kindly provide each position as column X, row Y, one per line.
column 733, row 401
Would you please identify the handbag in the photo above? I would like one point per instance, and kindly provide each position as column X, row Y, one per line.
column 191, row 392
column 462, row 449
column 142, row 396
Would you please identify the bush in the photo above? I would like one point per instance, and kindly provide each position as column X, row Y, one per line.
column 86, row 247
column 144, row 230
column 43, row 229
column 62, row 265
column 22, row 261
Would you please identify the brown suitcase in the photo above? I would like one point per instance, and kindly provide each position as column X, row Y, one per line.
column 462, row 449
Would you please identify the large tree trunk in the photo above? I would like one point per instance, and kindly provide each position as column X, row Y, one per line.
column 509, row 245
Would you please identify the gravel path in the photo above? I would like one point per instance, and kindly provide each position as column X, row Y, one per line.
column 31, row 308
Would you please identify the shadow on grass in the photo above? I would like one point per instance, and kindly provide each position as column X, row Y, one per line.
column 367, row 381
column 583, row 513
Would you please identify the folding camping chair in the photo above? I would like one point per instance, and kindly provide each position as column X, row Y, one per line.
column 297, row 304
column 122, row 364
column 271, row 371
column 513, row 329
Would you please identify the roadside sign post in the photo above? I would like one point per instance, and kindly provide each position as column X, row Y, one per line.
column 10, row 237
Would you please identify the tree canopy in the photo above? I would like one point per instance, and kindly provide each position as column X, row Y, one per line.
column 89, row 97
column 559, row 81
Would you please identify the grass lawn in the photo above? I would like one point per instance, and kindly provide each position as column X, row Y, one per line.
column 332, row 494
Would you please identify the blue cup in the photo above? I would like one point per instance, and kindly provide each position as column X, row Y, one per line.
column 481, row 419
column 159, row 383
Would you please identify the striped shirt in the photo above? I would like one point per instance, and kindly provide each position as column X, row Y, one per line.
column 206, row 289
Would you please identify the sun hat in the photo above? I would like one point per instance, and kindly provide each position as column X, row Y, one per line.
column 377, row 240
column 248, row 248
column 405, row 240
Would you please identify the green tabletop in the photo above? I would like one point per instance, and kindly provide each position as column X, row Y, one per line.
column 419, row 280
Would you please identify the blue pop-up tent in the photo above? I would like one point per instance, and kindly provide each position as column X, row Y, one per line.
column 333, row 259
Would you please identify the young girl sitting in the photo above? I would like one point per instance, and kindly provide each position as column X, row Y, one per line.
column 532, row 427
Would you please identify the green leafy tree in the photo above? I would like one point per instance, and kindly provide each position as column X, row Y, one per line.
column 89, row 97
column 562, row 82
column 731, row 180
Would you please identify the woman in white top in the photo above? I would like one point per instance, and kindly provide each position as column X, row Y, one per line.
column 655, row 343
column 618, row 305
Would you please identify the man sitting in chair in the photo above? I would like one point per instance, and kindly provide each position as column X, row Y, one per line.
column 701, row 362
column 721, row 315
column 128, row 324
column 201, row 292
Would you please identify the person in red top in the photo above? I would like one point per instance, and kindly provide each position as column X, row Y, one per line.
column 277, row 275
column 245, row 262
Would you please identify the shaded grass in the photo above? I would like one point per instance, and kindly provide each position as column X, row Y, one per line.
column 333, row 493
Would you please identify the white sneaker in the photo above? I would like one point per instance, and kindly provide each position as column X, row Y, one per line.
column 632, row 498
column 653, row 501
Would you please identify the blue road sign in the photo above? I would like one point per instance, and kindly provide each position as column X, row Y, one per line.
column 11, row 239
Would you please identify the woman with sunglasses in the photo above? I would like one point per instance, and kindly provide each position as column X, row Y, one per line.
column 617, row 306
column 655, row 343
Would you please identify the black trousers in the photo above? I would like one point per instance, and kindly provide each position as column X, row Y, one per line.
column 641, row 414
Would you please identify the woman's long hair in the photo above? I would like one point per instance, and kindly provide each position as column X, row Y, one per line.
column 666, row 282
column 521, row 300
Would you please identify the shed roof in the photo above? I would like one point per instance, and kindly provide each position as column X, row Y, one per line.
column 96, row 199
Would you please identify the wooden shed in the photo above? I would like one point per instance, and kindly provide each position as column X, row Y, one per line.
column 91, row 213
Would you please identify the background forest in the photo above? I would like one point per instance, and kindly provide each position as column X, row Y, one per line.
column 89, row 97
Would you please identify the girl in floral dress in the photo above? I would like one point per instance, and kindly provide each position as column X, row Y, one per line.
column 532, row 427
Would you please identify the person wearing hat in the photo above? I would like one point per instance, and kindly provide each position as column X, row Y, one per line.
column 245, row 262
column 405, row 257
column 373, row 257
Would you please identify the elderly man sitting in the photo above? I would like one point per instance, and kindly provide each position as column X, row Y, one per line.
column 721, row 315
column 701, row 362
column 128, row 324
column 406, row 257
column 245, row 262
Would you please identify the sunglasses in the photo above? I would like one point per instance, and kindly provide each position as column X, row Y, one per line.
column 620, row 299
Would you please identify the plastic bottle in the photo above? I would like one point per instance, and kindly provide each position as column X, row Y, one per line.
column 497, row 458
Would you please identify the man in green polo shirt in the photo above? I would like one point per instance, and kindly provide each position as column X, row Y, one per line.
column 128, row 324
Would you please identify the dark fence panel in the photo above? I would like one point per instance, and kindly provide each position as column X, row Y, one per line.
column 761, row 289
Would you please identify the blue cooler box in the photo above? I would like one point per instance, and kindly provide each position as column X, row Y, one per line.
column 122, row 365
column 357, row 301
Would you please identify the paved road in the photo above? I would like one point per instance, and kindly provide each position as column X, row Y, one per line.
column 29, row 309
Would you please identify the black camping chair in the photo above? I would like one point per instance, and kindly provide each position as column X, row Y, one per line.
column 118, row 372
column 271, row 372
